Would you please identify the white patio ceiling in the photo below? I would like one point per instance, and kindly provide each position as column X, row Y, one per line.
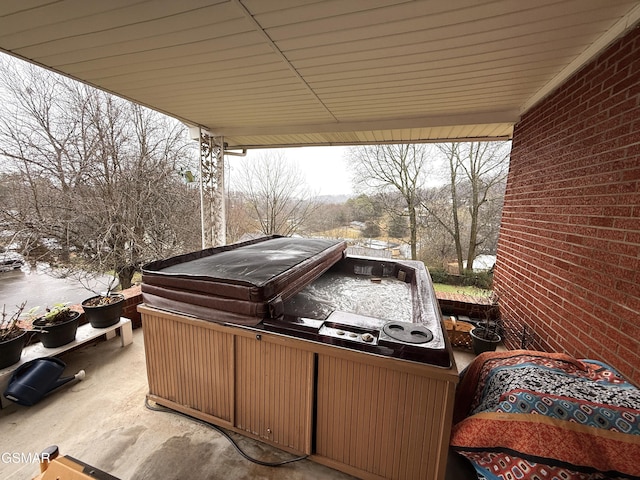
column 321, row 72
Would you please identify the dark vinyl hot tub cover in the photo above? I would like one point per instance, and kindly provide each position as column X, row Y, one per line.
column 239, row 283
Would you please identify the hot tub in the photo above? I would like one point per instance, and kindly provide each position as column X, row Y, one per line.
column 337, row 357
column 384, row 307
column 307, row 288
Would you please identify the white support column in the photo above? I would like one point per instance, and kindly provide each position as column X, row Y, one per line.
column 221, row 233
column 212, row 199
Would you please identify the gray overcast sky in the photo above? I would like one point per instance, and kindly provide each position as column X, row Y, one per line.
column 324, row 167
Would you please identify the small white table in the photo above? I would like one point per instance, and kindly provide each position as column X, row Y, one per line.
column 85, row 334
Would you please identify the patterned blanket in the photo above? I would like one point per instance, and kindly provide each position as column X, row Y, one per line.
column 532, row 415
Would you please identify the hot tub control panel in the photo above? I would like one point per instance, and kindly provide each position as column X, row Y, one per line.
column 406, row 340
column 348, row 333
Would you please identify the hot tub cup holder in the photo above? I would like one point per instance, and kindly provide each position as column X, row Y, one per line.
column 407, row 332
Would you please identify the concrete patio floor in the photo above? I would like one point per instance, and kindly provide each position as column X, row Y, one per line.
column 103, row 421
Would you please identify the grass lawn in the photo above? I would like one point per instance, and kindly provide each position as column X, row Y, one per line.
column 473, row 291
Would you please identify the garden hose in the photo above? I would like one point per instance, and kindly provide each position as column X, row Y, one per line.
column 224, row 434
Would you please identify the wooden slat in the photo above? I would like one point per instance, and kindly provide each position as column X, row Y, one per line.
column 274, row 393
column 376, row 417
column 190, row 365
column 380, row 421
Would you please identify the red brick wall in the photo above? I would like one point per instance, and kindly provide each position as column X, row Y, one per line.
column 569, row 250
column 132, row 298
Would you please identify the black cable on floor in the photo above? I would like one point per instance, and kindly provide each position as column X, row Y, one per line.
column 224, row 434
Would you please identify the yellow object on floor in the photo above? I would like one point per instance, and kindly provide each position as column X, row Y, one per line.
column 53, row 467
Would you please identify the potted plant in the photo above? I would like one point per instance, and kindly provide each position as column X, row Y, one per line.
column 105, row 309
column 57, row 326
column 12, row 336
column 485, row 337
column 102, row 309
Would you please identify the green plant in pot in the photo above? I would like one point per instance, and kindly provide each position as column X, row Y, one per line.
column 58, row 326
column 13, row 336
column 485, row 337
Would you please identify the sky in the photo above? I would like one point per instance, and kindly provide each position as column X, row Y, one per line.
column 325, row 168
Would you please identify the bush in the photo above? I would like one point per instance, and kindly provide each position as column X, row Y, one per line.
column 481, row 280
column 439, row 275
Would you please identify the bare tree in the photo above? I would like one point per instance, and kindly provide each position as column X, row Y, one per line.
column 329, row 220
column 468, row 205
column 37, row 130
column 95, row 176
column 276, row 194
column 239, row 217
column 387, row 169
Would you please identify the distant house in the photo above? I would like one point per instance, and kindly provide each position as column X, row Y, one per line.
column 482, row 263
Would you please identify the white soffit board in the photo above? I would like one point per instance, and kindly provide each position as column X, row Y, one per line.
column 322, row 72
